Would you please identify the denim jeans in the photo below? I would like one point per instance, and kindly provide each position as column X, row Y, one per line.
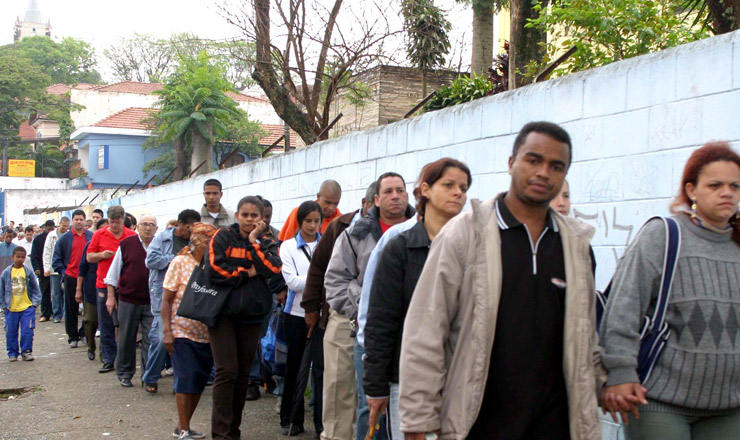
column 363, row 411
column 107, row 331
column 26, row 321
column 57, row 297
column 158, row 355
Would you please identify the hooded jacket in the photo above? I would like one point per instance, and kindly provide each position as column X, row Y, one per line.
column 451, row 321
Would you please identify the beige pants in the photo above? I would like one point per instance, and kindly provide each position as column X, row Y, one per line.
column 340, row 387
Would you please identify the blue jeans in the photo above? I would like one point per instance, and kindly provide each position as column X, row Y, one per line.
column 26, row 321
column 363, row 411
column 108, row 344
column 158, row 355
column 57, row 297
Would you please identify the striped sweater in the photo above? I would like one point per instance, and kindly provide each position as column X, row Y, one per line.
column 699, row 370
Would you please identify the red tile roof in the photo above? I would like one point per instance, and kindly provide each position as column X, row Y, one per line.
column 240, row 97
column 274, row 132
column 131, row 87
column 129, row 118
column 26, row 131
column 61, row 89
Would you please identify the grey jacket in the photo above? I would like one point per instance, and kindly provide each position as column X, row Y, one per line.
column 225, row 217
column 346, row 270
column 450, row 328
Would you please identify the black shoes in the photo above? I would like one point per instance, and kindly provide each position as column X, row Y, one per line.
column 293, row 431
column 253, row 392
column 126, row 383
column 107, row 366
column 91, row 355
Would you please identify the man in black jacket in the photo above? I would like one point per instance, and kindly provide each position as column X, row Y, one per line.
column 37, row 254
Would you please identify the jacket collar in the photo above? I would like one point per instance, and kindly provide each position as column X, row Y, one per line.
column 370, row 224
column 300, row 242
column 506, row 219
column 221, row 211
column 417, row 237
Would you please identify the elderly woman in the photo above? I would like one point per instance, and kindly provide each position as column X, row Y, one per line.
column 186, row 340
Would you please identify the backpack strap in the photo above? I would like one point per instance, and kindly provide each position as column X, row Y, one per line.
column 670, row 260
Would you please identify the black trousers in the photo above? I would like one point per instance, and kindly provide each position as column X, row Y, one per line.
column 45, row 286
column 72, row 309
column 294, row 388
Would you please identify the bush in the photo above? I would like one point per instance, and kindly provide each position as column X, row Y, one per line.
column 462, row 89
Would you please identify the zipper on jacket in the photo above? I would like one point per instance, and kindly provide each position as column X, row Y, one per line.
column 534, row 246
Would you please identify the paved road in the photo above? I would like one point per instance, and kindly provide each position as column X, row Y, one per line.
column 71, row 400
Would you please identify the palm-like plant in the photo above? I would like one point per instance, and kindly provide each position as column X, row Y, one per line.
column 194, row 107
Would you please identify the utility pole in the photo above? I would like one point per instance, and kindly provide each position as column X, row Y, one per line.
column 5, row 151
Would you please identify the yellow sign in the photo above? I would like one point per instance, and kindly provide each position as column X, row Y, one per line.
column 21, row 168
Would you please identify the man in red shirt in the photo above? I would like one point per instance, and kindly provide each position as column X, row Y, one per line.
column 330, row 193
column 66, row 262
column 101, row 250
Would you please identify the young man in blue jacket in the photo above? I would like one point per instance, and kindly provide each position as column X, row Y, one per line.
column 19, row 297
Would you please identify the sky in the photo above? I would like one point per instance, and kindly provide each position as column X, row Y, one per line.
column 104, row 22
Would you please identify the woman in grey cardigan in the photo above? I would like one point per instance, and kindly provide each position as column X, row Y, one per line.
column 693, row 391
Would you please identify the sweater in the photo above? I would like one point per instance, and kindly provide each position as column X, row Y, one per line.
column 133, row 284
column 698, row 373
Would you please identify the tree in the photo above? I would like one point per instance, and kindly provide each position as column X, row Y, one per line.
column 193, row 107
column 426, row 28
column 145, row 58
column 295, row 77
column 526, row 44
column 483, row 42
column 610, row 30
column 70, row 61
column 22, row 90
column 720, row 16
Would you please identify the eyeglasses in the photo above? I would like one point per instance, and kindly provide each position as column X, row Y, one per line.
column 148, row 225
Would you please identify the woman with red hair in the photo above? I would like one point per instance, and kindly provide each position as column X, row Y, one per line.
column 693, row 392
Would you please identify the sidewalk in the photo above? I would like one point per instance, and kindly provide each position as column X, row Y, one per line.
column 69, row 399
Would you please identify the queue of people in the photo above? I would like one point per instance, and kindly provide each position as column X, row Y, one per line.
column 413, row 322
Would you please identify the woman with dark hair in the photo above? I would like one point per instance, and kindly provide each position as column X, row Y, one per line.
column 296, row 256
column 243, row 260
column 441, row 193
column 693, row 391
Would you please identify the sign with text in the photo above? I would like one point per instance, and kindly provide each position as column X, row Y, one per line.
column 103, row 157
column 21, row 168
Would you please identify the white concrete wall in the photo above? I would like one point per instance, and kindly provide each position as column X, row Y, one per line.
column 17, row 200
column 100, row 105
column 32, row 183
column 633, row 124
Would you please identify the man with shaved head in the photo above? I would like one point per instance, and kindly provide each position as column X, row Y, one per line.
column 128, row 293
column 328, row 198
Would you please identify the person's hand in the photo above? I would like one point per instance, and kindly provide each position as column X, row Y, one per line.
column 252, row 271
column 47, row 274
column 108, row 254
column 623, row 398
column 281, row 297
column 110, row 304
column 417, row 435
column 78, row 295
column 169, row 342
column 312, row 320
column 37, row 272
column 257, row 231
column 377, row 407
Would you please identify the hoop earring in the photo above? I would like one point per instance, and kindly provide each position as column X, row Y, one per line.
column 693, row 208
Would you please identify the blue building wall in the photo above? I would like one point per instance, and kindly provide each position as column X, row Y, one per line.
column 126, row 158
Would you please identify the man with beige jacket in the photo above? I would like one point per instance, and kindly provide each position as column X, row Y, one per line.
column 500, row 339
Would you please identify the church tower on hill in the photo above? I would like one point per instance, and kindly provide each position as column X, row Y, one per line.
column 32, row 24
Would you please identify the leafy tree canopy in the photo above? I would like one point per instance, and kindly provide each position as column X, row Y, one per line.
column 70, row 61
column 610, row 30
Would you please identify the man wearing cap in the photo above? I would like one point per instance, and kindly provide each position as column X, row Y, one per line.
column 37, row 254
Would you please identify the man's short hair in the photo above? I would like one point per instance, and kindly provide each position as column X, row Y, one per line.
column 549, row 129
column 99, row 211
column 213, row 182
column 28, row 229
column 18, row 249
column 79, row 212
column 385, row 176
column 371, row 191
column 101, row 223
column 49, row 223
column 10, row 231
column 116, row 212
column 188, row 216
column 330, row 186
column 64, row 219
column 265, row 202
column 129, row 220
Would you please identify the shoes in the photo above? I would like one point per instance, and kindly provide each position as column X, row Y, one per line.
column 210, row 380
column 167, row 372
column 185, row 435
column 253, row 392
column 293, row 431
column 73, row 344
column 27, row 356
column 193, row 434
column 12, row 358
column 97, row 333
column 43, row 319
column 83, row 340
column 126, row 383
column 277, row 404
column 150, row 388
column 91, row 355
column 270, row 385
column 57, row 320
column 107, row 366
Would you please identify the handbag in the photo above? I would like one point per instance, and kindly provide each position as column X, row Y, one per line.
column 274, row 345
column 654, row 332
column 203, row 301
